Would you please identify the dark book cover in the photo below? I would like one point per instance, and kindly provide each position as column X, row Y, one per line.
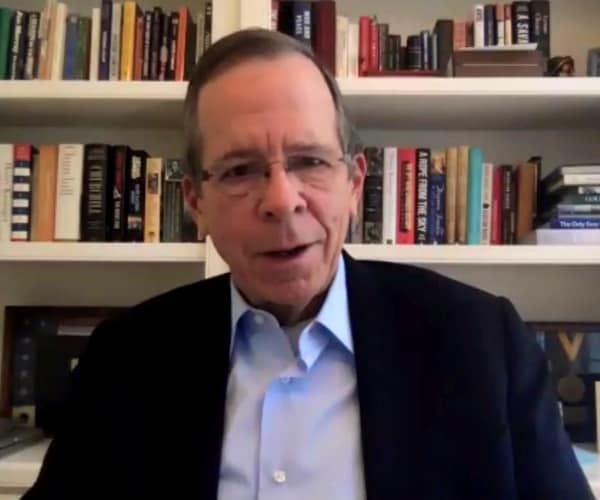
column 173, row 48
column 146, row 49
column 302, row 28
column 436, row 199
column 155, row 42
column 540, row 25
column 414, row 57
column 18, row 34
column 136, row 175
column 122, row 159
column 509, row 205
column 70, row 55
column 31, row 58
column 82, row 65
column 323, row 35
column 384, row 30
column 423, row 167
column 444, row 28
column 538, row 193
column 390, row 55
column 520, row 22
column 490, row 25
column 172, row 213
column 97, row 182
column 165, row 44
column 105, row 27
column 373, row 196
column 190, row 48
column 6, row 26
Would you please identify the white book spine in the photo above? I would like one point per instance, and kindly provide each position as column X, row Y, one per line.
column 69, row 186
column 255, row 14
column 390, row 194
column 95, row 44
column 6, row 180
column 115, row 42
column 341, row 47
column 479, row 26
column 353, row 43
column 225, row 18
column 487, row 187
column 500, row 32
column 58, row 51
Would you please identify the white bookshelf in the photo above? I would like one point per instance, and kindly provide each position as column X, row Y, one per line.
column 379, row 102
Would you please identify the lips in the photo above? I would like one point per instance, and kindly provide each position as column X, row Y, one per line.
column 287, row 253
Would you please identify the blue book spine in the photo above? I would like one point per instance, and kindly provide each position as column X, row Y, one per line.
column 436, row 197
column 575, row 223
column 302, row 22
column 474, row 205
column 69, row 67
column 104, row 52
column 423, row 165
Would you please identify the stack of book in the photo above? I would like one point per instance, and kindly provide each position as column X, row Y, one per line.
column 456, row 196
column 118, row 41
column 90, row 192
column 569, row 206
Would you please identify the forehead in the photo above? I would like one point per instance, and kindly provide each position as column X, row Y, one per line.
column 262, row 102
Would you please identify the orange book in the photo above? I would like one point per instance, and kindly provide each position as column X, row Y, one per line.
column 128, row 29
column 138, row 57
column 526, row 182
column 44, row 193
column 184, row 18
column 462, row 188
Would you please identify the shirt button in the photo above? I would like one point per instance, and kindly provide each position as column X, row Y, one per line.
column 258, row 319
column 279, row 476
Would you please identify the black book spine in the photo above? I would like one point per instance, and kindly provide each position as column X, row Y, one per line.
column 491, row 25
column 444, row 28
column 165, row 44
column 96, row 190
column 435, row 61
column 22, row 58
column 173, row 48
column 122, row 158
column 146, row 48
column 18, row 26
column 190, row 49
column 105, row 26
column 425, row 50
column 373, row 197
column 540, row 25
column 521, row 22
column 383, row 30
column 414, row 52
column 136, row 174
column 423, row 165
column 208, row 24
column 155, row 42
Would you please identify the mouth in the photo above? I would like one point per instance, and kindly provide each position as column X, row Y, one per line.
column 288, row 253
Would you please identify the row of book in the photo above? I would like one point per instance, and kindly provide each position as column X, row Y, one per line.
column 118, row 41
column 91, row 192
column 420, row 196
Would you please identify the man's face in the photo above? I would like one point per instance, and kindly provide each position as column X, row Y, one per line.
column 281, row 240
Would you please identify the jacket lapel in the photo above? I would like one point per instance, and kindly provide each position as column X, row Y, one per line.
column 387, row 336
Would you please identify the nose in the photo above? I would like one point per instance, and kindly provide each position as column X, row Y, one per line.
column 281, row 196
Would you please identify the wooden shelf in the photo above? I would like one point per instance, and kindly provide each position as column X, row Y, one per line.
column 380, row 102
column 102, row 252
column 525, row 255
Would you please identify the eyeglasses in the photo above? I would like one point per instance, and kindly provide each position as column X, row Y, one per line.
column 243, row 176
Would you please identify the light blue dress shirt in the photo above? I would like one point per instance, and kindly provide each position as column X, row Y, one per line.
column 292, row 429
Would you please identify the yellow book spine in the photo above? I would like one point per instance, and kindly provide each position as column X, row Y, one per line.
column 127, row 40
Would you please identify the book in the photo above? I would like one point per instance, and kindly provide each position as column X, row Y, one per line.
column 479, row 26
column 521, row 23
column 136, row 176
column 423, row 167
column 97, row 181
column 71, row 35
column 373, row 196
column 21, row 192
column 44, row 197
column 31, row 59
column 462, row 190
column 436, row 196
column 474, row 200
column 122, row 159
column 540, row 25
column 94, row 58
column 128, row 28
column 546, row 236
column 390, row 194
column 323, row 15
column 6, row 181
column 509, row 205
column 497, row 205
column 6, row 16
column 172, row 210
column 490, row 25
column 487, row 189
column 526, row 176
column 153, row 193
column 69, row 187
column 115, row 41
column 105, row 40
column 57, row 53
column 451, row 193
column 341, row 47
column 407, row 196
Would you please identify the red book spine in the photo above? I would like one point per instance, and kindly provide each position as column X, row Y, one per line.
column 324, row 33
column 407, row 194
column 374, row 47
column 497, row 193
column 364, row 28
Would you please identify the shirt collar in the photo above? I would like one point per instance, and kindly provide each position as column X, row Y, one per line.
column 333, row 315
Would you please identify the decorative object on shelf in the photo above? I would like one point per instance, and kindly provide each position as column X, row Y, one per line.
column 573, row 352
column 561, row 66
column 593, row 62
column 498, row 63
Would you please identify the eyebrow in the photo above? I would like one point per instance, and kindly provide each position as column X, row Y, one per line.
column 295, row 148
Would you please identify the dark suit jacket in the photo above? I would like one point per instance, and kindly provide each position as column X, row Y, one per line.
column 455, row 400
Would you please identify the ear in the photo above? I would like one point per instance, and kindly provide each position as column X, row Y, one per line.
column 194, row 203
column 358, row 180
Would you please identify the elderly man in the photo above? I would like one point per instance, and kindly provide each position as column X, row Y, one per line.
column 303, row 374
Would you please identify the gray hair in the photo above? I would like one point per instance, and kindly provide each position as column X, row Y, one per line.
column 240, row 47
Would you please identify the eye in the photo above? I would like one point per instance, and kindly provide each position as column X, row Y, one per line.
column 306, row 162
column 237, row 171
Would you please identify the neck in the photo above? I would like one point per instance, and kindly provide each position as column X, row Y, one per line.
column 289, row 315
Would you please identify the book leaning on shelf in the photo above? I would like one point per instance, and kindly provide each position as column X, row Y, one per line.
column 91, row 192
column 116, row 41
column 455, row 196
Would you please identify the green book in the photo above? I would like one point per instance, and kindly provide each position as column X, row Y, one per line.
column 6, row 16
column 82, row 61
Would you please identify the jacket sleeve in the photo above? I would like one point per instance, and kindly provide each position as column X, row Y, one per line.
column 76, row 461
column 544, row 460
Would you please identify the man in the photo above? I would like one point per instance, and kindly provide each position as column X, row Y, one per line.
column 304, row 374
